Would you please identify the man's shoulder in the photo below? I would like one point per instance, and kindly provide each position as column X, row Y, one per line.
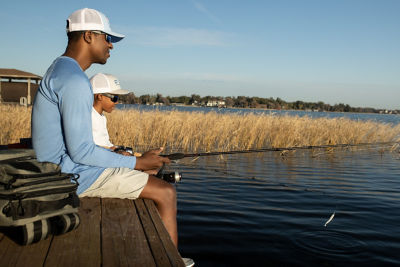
column 65, row 66
column 66, row 72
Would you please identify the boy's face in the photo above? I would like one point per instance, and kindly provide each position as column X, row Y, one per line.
column 106, row 103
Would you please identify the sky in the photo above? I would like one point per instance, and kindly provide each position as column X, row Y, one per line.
column 335, row 51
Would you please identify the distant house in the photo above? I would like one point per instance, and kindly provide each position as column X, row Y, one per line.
column 215, row 103
column 18, row 86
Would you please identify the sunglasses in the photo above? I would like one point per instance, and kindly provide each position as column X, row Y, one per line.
column 114, row 98
column 108, row 37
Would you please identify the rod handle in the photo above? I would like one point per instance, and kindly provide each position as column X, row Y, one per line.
column 174, row 156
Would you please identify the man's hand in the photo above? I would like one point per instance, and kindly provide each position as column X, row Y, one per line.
column 151, row 161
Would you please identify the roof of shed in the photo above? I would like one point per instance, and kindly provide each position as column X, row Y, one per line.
column 17, row 74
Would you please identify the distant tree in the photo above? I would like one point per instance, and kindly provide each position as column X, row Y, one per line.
column 146, row 99
column 244, row 102
column 229, row 102
column 299, row 105
column 184, row 100
column 241, row 102
column 131, row 98
column 161, row 99
column 194, row 99
column 253, row 102
column 320, row 105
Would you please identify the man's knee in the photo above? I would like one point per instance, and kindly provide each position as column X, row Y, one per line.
column 159, row 191
column 169, row 193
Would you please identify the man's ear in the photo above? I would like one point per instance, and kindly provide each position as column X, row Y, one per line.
column 88, row 36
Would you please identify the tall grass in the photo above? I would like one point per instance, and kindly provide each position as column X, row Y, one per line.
column 211, row 131
column 195, row 131
column 15, row 123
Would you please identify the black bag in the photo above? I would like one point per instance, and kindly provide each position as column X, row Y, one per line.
column 36, row 196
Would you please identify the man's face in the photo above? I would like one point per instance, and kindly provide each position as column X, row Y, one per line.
column 101, row 47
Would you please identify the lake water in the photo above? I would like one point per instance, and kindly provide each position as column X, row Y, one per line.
column 265, row 209
column 269, row 209
column 387, row 118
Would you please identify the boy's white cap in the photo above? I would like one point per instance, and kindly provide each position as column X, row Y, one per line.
column 87, row 19
column 106, row 83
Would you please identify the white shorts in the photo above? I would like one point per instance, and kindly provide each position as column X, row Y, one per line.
column 118, row 183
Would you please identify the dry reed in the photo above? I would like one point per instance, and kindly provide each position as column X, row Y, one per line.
column 196, row 131
column 15, row 123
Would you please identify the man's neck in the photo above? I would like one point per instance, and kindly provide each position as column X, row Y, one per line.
column 77, row 54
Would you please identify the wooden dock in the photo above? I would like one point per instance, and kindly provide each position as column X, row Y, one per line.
column 113, row 232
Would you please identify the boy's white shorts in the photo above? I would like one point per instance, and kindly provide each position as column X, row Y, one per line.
column 117, row 183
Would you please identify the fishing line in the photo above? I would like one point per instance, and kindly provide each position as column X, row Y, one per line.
column 176, row 156
column 298, row 188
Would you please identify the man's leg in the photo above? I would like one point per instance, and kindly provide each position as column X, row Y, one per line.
column 164, row 195
column 131, row 184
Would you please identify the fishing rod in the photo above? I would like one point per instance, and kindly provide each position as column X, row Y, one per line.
column 175, row 177
column 177, row 156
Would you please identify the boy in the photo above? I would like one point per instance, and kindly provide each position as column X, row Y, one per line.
column 106, row 89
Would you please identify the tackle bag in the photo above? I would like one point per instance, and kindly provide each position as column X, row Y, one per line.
column 38, row 197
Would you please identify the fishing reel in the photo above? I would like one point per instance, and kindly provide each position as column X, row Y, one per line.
column 170, row 177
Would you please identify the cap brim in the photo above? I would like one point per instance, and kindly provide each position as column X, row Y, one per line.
column 115, row 37
column 119, row 92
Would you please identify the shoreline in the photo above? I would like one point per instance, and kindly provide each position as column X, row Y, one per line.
column 261, row 109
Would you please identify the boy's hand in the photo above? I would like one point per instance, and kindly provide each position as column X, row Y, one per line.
column 151, row 160
column 124, row 153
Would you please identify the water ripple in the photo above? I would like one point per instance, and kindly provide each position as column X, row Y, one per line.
column 329, row 244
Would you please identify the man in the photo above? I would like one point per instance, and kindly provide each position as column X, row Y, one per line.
column 61, row 124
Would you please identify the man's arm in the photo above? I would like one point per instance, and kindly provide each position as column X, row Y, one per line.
column 75, row 105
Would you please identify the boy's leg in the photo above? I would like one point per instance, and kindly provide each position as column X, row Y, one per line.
column 164, row 196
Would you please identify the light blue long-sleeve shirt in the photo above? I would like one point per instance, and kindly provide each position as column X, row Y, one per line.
column 62, row 125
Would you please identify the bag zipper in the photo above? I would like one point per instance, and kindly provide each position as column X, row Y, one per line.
column 37, row 175
column 9, row 185
column 53, row 191
column 53, row 179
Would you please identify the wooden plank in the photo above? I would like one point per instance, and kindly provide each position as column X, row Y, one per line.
column 172, row 252
column 80, row 247
column 157, row 249
column 13, row 254
column 113, row 232
column 123, row 239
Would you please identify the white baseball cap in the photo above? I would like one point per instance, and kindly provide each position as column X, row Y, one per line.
column 106, row 83
column 87, row 19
